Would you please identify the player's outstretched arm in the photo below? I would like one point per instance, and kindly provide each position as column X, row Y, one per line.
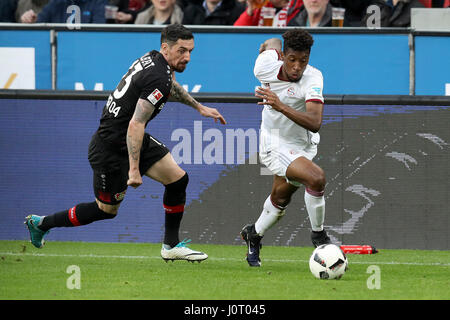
column 135, row 135
column 178, row 92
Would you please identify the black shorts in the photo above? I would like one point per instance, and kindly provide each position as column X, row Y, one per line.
column 111, row 166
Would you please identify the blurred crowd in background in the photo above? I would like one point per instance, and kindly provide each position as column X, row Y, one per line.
column 274, row 13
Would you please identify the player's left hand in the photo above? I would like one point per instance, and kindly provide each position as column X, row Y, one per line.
column 134, row 178
column 211, row 113
column 269, row 98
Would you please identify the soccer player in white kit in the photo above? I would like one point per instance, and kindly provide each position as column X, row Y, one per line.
column 291, row 90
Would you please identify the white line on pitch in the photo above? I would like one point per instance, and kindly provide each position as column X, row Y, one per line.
column 96, row 256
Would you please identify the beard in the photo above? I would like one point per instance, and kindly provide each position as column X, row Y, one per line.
column 180, row 67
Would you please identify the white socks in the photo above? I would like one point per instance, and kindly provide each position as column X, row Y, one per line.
column 271, row 214
column 269, row 217
column 315, row 205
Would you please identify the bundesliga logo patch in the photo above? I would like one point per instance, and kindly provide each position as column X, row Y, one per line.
column 155, row 96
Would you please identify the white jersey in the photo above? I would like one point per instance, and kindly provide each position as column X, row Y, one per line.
column 294, row 94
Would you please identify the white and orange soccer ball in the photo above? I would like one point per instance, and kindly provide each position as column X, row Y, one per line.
column 328, row 261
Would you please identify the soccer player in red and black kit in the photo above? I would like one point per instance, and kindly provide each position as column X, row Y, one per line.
column 120, row 152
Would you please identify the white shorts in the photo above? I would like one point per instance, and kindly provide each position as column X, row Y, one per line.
column 277, row 154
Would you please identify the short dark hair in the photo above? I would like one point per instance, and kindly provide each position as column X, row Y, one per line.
column 173, row 32
column 297, row 40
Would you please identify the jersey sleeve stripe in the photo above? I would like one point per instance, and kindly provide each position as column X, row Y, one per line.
column 314, row 100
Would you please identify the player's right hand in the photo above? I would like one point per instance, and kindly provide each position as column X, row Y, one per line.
column 269, row 98
column 134, row 178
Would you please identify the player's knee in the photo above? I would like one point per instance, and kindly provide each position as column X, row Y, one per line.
column 109, row 211
column 175, row 192
column 280, row 199
column 318, row 180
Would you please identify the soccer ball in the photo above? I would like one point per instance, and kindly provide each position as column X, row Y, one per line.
column 328, row 261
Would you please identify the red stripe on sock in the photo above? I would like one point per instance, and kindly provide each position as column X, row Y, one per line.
column 315, row 193
column 73, row 217
column 174, row 209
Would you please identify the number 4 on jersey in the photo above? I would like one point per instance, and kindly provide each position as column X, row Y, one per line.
column 122, row 88
column 112, row 106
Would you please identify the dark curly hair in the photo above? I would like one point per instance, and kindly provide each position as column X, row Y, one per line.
column 297, row 40
column 173, row 32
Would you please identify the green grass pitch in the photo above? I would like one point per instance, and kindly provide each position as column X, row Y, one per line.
column 112, row 271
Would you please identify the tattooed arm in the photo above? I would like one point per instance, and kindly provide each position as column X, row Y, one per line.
column 135, row 135
column 178, row 92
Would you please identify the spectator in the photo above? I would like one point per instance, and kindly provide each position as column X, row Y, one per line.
column 432, row 3
column 213, row 12
column 91, row 11
column 285, row 11
column 356, row 11
column 184, row 3
column 128, row 10
column 316, row 13
column 161, row 12
column 27, row 10
column 7, row 10
column 436, row 3
column 122, row 6
column 401, row 12
column 426, row 3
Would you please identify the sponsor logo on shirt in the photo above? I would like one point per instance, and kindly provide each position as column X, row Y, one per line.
column 291, row 91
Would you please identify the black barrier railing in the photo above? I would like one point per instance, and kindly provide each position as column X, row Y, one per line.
column 234, row 98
